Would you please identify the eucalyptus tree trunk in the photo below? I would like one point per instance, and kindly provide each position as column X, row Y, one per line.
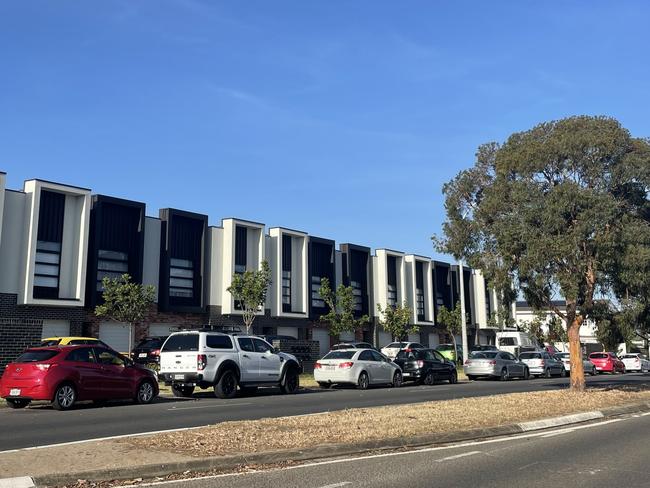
column 574, row 322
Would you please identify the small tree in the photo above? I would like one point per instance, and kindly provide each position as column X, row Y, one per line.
column 249, row 291
column 452, row 323
column 341, row 317
column 125, row 301
column 396, row 321
column 534, row 327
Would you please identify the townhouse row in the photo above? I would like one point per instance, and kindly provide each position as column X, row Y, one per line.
column 58, row 241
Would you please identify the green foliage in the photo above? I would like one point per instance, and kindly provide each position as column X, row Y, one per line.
column 341, row 317
column 559, row 209
column 556, row 331
column 249, row 290
column 451, row 321
column 534, row 327
column 125, row 301
column 397, row 321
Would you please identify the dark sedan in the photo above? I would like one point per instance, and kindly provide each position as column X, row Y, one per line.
column 425, row 366
column 148, row 350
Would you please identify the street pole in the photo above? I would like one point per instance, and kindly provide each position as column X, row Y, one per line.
column 463, row 319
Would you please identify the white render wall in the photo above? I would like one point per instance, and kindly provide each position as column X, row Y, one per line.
column 12, row 246
column 380, row 279
column 411, row 287
column 299, row 272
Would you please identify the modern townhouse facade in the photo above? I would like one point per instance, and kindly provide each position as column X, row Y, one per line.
column 58, row 241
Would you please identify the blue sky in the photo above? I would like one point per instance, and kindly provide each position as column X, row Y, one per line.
column 342, row 119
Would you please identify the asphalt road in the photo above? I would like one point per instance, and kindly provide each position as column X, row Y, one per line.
column 41, row 425
column 611, row 453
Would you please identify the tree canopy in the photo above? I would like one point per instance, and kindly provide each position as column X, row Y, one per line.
column 341, row 304
column 249, row 290
column 558, row 210
column 397, row 321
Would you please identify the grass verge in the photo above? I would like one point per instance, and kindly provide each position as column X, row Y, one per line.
column 366, row 424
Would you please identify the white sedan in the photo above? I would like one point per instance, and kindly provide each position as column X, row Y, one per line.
column 360, row 367
column 635, row 362
column 587, row 366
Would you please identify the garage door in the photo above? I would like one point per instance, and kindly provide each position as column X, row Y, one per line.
column 288, row 331
column 55, row 328
column 115, row 335
column 384, row 339
column 323, row 338
column 434, row 340
column 162, row 330
column 414, row 337
column 346, row 336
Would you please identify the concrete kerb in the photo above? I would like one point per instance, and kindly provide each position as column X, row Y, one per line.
column 225, row 463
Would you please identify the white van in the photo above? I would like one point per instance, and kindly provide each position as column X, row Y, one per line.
column 513, row 341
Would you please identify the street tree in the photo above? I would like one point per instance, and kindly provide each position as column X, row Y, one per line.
column 451, row 322
column 397, row 321
column 552, row 211
column 125, row 301
column 341, row 309
column 249, row 290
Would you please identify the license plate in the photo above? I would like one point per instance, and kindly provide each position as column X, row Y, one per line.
column 142, row 355
column 14, row 392
column 406, row 374
column 179, row 376
column 329, row 368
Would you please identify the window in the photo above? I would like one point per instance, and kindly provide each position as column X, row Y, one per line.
column 111, row 264
column 261, row 346
column 35, row 356
column 507, row 341
column 48, row 245
column 340, row 354
column 109, row 358
column 419, row 290
column 83, row 355
column 241, row 245
column 218, row 342
column 182, row 342
column 391, row 293
column 287, row 242
column 246, row 344
column 419, row 299
column 46, row 268
column 316, row 300
column 530, row 355
column 377, row 357
column 366, row 356
column 358, row 296
column 181, row 278
column 438, row 356
column 286, row 288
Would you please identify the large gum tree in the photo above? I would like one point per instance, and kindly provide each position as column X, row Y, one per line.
column 554, row 211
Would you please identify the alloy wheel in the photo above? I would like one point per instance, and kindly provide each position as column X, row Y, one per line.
column 145, row 392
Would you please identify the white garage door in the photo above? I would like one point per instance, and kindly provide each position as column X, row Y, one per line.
column 288, row 331
column 162, row 330
column 323, row 338
column 434, row 340
column 384, row 339
column 346, row 336
column 414, row 337
column 55, row 328
column 115, row 335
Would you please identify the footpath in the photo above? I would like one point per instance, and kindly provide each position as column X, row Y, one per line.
column 232, row 446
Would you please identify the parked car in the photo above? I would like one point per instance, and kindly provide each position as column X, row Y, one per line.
column 495, row 364
column 425, row 366
column 361, row 367
column 447, row 350
column 271, row 338
column 541, row 363
column 393, row 348
column 514, row 341
column 64, row 375
column 587, row 365
column 636, row 362
column 607, row 362
column 483, row 347
column 213, row 359
column 148, row 350
column 352, row 345
column 71, row 341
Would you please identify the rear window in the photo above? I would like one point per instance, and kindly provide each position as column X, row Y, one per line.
column 630, row 356
column 408, row 355
column 563, row 355
column 507, row 341
column 342, row 346
column 35, row 356
column 398, row 345
column 598, row 355
column 151, row 344
column 218, row 342
column 182, row 342
column 51, row 342
column 530, row 355
column 340, row 355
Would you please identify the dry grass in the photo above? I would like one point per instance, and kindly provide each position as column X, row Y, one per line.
column 365, row 424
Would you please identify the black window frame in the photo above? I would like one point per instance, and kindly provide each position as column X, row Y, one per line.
column 51, row 217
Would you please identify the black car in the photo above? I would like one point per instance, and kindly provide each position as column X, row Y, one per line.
column 425, row 366
column 148, row 350
column 483, row 347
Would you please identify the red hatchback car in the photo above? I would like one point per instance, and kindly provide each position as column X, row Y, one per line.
column 64, row 375
column 607, row 362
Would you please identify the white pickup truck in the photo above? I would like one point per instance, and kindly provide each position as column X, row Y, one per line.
column 213, row 359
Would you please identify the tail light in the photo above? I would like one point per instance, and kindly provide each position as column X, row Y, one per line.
column 420, row 363
column 468, row 361
column 346, row 365
column 317, row 365
column 155, row 352
column 492, row 363
column 44, row 366
column 542, row 362
column 201, row 361
column 408, row 349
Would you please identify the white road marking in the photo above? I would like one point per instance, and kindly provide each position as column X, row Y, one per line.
column 458, row 456
column 337, row 485
column 209, row 406
column 352, row 459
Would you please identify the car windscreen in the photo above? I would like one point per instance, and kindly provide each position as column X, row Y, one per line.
column 629, row 356
column 445, row 347
column 150, row 344
column 598, row 355
column 530, row 355
column 182, row 342
column 33, row 356
column 340, row 355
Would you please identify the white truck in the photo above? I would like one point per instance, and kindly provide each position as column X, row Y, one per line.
column 514, row 341
column 213, row 359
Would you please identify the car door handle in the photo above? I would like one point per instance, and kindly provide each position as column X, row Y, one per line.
column 265, row 358
column 245, row 356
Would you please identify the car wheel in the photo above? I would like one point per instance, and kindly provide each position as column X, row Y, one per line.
column 504, row 375
column 291, row 382
column 182, row 391
column 526, row 374
column 563, row 373
column 471, row 377
column 397, row 380
column 146, row 393
column 324, row 386
column 453, row 378
column 428, row 378
column 363, row 382
column 623, row 371
column 226, row 387
column 547, row 373
column 594, row 371
column 64, row 397
column 17, row 403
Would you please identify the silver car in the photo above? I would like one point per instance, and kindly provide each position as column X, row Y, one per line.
column 587, row 366
column 360, row 367
column 495, row 364
column 541, row 363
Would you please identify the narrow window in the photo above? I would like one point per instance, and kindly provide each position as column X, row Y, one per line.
column 181, row 278
column 47, row 266
column 286, row 273
column 111, row 264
